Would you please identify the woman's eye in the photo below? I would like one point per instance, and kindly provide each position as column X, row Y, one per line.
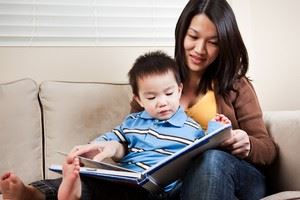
column 150, row 98
column 192, row 36
column 214, row 43
column 169, row 93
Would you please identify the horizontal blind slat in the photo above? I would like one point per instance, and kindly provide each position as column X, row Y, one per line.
column 97, row 22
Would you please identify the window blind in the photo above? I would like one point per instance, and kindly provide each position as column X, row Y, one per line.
column 89, row 22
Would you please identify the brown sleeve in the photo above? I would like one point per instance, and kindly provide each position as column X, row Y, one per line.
column 135, row 106
column 246, row 114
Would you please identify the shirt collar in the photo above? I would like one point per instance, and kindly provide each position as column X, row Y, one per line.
column 177, row 119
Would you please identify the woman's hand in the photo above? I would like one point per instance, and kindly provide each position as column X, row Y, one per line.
column 99, row 151
column 238, row 144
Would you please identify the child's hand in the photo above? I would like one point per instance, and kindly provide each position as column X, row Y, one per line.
column 109, row 149
column 99, row 151
column 87, row 150
column 222, row 119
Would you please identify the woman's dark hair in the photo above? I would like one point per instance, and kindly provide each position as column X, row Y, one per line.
column 152, row 63
column 232, row 61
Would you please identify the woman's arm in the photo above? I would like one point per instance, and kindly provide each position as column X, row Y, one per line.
column 243, row 109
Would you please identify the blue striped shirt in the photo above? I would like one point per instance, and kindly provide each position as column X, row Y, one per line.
column 150, row 140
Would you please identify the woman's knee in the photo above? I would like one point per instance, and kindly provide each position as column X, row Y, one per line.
column 213, row 160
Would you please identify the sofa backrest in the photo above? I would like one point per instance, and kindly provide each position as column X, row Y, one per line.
column 284, row 126
column 76, row 113
column 21, row 130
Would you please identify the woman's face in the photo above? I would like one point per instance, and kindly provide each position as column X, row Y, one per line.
column 200, row 44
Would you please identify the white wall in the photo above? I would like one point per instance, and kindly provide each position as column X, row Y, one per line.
column 270, row 29
column 104, row 64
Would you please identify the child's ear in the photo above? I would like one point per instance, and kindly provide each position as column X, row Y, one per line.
column 137, row 99
column 180, row 88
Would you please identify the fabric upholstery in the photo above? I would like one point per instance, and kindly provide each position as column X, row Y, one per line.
column 284, row 126
column 21, row 130
column 75, row 113
column 287, row 195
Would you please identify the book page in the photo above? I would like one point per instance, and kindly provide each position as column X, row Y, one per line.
column 98, row 164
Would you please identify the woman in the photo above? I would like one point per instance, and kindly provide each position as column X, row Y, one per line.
column 213, row 62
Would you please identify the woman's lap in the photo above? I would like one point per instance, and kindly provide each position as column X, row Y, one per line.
column 220, row 175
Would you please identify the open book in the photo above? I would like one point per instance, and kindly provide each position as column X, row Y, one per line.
column 163, row 173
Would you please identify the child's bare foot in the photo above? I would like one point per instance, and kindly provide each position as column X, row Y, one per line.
column 70, row 188
column 12, row 188
column 222, row 119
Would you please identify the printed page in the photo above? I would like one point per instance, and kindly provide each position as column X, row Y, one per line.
column 98, row 164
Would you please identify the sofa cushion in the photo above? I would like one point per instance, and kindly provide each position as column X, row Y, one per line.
column 76, row 113
column 287, row 195
column 21, row 130
column 284, row 126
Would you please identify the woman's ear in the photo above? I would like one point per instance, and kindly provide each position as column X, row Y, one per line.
column 137, row 99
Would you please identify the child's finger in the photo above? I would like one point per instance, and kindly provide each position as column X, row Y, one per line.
column 100, row 157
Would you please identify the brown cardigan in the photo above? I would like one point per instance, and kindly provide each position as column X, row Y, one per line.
column 242, row 108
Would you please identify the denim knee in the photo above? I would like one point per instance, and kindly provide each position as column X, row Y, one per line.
column 217, row 174
column 213, row 162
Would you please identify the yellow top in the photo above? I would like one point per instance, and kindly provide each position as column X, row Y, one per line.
column 204, row 109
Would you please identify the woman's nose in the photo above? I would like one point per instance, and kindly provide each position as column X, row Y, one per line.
column 200, row 47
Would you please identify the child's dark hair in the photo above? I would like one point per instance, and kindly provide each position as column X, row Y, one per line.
column 152, row 63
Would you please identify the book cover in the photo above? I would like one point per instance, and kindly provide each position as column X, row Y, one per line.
column 163, row 173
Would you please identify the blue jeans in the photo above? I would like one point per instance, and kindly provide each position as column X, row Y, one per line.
column 219, row 175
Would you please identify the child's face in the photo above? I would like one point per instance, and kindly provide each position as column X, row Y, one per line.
column 159, row 95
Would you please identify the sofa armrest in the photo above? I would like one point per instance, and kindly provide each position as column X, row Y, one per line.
column 284, row 126
column 287, row 195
